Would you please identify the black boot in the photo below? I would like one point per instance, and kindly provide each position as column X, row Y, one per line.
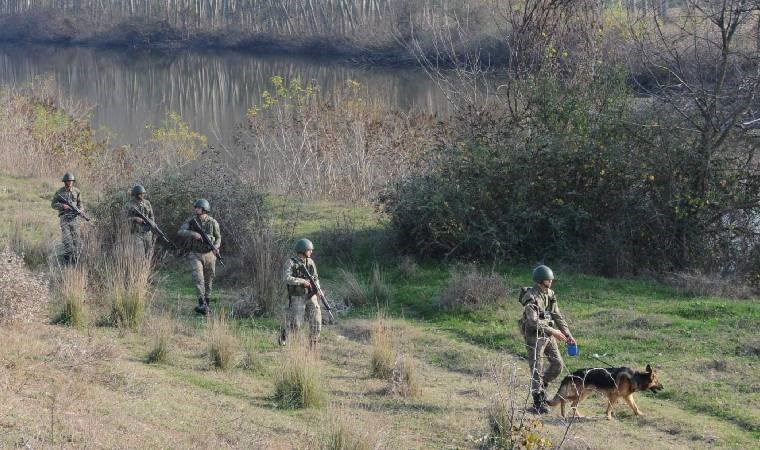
column 539, row 403
column 202, row 307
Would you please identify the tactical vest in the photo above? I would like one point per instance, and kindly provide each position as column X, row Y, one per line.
column 298, row 270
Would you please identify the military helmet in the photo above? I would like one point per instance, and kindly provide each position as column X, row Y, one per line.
column 542, row 273
column 203, row 204
column 303, row 245
column 68, row 176
column 138, row 189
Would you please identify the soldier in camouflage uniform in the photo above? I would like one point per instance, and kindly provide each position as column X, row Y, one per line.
column 68, row 218
column 303, row 300
column 138, row 228
column 202, row 258
column 541, row 325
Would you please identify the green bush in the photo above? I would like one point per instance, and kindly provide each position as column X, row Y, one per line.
column 586, row 178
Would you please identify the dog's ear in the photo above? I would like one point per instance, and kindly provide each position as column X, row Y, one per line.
column 649, row 368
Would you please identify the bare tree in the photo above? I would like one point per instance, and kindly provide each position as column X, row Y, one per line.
column 703, row 66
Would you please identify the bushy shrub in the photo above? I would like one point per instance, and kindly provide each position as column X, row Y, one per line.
column 468, row 289
column 577, row 182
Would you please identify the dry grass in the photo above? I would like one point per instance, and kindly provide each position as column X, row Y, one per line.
column 468, row 289
column 71, row 292
column 127, row 273
column 408, row 268
column 262, row 262
column 698, row 284
column 23, row 294
column 222, row 347
column 161, row 330
column 509, row 425
column 379, row 290
column 383, row 353
column 298, row 381
column 353, row 292
column 406, row 380
column 346, row 432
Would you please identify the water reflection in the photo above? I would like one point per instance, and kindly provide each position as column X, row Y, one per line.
column 211, row 90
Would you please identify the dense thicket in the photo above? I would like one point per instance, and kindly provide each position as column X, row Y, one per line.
column 577, row 168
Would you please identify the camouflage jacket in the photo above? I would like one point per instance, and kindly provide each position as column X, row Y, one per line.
column 73, row 196
column 541, row 313
column 144, row 207
column 295, row 275
column 209, row 226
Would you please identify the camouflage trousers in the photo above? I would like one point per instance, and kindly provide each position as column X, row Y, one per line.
column 71, row 238
column 146, row 240
column 304, row 307
column 540, row 349
column 203, row 269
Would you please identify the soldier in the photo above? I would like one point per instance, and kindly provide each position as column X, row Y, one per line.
column 202, row 258
column 303, row 300
column 68, row 218
column 139, row 229
column 541, row 325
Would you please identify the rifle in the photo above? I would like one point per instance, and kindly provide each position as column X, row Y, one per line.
column 207, row 240
column 315, row 288
column 73, row 207
column 153, row 226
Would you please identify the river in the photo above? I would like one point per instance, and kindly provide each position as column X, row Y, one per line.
column 211, row 90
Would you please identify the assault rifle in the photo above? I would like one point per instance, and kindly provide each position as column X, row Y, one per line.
column 73, row 207
column 153, row 226
column 316, row 289
column 206, row 239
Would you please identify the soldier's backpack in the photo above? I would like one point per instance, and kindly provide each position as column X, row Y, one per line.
column 523, row 291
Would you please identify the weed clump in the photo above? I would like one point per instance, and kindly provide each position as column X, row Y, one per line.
column 379, row 290
column 405, row 378
column 298, row 382
column 160, row 329
column 222, row 345
column 383, row 353
column 346, row 433
column 468, row 290
column 71, row 289
column 507, row 422
column 128, row 283
column 354, row 293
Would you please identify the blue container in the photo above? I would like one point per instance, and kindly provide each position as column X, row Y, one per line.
column 572, row 349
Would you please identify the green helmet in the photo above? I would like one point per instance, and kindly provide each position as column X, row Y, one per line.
column 203, row 204
column 542, row 273
column 138, row 189
column 303, row 244
column 68, row 176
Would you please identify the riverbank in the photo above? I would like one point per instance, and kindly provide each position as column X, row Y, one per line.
column 390, row 48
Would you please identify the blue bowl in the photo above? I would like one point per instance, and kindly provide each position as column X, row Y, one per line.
column 572, row 349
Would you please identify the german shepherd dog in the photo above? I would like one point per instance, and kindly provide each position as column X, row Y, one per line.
column 614, row 382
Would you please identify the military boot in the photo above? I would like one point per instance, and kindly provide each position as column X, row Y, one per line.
column 202, row 307
column 539, row 403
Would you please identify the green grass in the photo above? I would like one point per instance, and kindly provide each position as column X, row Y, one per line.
column 702, row 347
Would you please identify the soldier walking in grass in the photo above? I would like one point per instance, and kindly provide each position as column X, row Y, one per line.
column 303, row 297
column 202, row 256
column 138, row 228
column 541, row 325
column 67, row 200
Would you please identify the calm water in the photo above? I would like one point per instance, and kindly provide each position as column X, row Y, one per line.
column 211, row 90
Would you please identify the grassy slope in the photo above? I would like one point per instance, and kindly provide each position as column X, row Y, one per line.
column 64, row 387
